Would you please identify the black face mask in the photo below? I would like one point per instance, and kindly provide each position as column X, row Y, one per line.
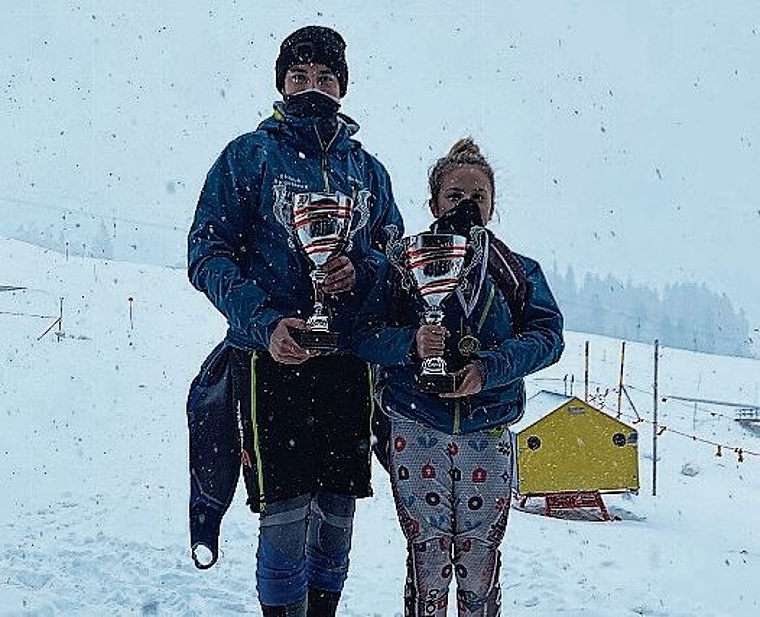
column 459, row 220
column 311, row 104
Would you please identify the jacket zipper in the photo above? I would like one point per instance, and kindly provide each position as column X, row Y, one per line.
column 325, row 165
column 457, row 412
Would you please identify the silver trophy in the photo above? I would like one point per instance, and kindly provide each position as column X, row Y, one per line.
column 435, row 262
column 321, row 222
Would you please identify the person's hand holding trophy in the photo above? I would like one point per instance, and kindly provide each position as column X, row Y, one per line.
column 321, row 222
column 435, row 262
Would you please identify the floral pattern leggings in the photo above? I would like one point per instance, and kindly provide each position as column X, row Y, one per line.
column 452, row 495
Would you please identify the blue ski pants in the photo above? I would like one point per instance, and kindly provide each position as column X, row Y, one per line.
column 304, row 543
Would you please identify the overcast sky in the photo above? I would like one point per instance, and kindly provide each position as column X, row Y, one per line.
column 625, row 135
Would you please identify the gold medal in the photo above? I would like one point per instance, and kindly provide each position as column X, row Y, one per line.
column 468, row 345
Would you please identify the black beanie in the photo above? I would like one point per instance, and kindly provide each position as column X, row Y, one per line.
column 315, row 44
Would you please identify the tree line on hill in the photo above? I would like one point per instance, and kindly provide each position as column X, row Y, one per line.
column 682, row 315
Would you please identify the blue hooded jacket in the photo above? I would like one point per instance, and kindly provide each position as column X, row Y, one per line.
column 241, row 250
column 243, row 255
column 385, row 330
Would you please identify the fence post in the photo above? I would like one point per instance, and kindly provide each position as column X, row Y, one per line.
column 59, row 333
column 58, row 322
column 620, row 381
column 585, row 390
column 654, row 422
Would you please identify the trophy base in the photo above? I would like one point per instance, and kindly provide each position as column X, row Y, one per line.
column 316, row 340
column 438, row 384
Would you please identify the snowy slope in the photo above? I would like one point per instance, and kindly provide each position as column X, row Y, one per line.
column 94, row 460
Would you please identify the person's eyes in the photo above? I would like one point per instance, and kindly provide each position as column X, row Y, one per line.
column 454, row 196
column 298, row 78
column 327, row 78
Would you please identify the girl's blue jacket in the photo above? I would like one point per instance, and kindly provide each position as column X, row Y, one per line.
column 385, row 331
column 241, row 250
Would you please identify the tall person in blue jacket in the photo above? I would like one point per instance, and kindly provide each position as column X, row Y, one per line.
column 450, row 455
column 298, row 422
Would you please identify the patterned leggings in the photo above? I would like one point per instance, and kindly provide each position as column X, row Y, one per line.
column 452, row 495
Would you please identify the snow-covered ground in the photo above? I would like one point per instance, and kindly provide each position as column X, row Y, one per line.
column 94, row 470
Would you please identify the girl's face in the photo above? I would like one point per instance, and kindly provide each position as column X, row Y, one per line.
column 461, row 182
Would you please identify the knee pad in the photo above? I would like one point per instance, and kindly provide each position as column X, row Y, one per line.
column 280, row 558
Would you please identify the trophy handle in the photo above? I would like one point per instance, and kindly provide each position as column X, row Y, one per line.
column 360, row 205
column 478, row 239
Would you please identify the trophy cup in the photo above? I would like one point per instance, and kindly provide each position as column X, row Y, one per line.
column 321, row 222
column 435, row 262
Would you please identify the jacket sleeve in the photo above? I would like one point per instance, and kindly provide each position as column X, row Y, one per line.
column 216, row 246
column 375, row 337
column 540, row 343
column 384, row 214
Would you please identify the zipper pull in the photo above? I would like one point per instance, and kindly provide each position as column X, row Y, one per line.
column 325, row 172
